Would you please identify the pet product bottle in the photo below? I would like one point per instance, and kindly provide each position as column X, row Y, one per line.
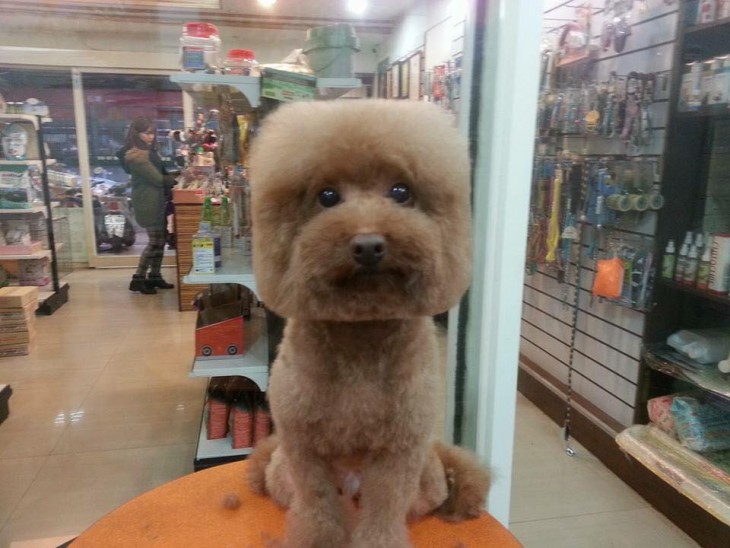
column 669, row 261
column 689, row 277
column 204, row 250
column 225, row 227
column 208, row 217
column 681, row 263
column 703, row 269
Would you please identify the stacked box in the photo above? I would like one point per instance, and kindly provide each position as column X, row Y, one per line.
column 17, row 320
column 34, row 271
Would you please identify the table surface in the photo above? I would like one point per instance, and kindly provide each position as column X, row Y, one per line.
column 190, row 511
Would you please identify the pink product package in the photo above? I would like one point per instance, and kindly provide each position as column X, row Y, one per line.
column 660, row 414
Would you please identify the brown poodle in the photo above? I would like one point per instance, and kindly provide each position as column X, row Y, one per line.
column 361, row 220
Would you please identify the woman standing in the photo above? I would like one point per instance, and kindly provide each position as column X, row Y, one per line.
column 150, row 182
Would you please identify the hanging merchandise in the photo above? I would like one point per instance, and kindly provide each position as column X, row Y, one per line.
column 553, row 234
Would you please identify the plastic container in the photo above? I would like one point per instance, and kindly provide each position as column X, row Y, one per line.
column 199, row 48
column 329, row 50
column 242, row 62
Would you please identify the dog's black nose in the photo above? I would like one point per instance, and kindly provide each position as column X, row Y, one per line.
column 367, row 249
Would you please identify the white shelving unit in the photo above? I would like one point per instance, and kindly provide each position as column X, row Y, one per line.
column 254, row 364
column 54, row 295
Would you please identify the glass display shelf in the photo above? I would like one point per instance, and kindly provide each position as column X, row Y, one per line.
column 663, row 358
column 704, row 479
column 236, row 269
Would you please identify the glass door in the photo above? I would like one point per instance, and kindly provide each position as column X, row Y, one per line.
column 105, row 105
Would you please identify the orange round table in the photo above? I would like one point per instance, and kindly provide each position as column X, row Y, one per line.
column 190, row 512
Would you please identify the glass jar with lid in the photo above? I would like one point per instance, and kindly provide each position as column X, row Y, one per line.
column 200, row 47
column 241, row 62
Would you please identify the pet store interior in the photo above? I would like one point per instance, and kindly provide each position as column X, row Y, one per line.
column 588, row 364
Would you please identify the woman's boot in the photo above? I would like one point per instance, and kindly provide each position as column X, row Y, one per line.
column 140, row 283
column 155, row 280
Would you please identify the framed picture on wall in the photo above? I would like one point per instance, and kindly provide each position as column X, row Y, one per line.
column 414, row 70
column 395, row 81
column 404, row 79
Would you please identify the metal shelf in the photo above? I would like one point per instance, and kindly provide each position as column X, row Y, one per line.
column 201, row 82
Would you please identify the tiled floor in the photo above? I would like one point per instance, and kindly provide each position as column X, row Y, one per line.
column 103, row 410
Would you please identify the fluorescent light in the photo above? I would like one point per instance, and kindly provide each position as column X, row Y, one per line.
column 267, row 3
column 357, row 6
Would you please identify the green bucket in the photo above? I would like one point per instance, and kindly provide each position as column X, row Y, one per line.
column 329, row 50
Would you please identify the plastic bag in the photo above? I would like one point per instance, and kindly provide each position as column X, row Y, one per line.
column 609, row 278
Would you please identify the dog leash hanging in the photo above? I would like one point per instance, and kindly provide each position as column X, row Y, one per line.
column 578, row 173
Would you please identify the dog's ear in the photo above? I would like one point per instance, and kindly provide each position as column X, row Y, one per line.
column 302, row 144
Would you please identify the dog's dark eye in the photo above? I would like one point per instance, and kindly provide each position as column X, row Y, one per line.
column 400, row 194
column 329, row 198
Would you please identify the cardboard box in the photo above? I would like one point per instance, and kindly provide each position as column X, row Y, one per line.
column 15, row 316
column 17, row 296
column 188, row 196
column 287, row 86
column 219, row 332
column 34, row 247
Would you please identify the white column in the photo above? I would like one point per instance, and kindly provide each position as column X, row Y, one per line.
column 507, row 102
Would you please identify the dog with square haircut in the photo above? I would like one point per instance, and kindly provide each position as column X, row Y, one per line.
column 361, row 234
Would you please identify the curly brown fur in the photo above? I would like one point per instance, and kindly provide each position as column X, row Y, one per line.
column 468, row 483
column 352, row 388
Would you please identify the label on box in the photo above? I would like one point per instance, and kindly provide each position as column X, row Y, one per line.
column 203, row 256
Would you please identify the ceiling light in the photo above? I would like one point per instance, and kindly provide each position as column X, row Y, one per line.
column 357, row 6
column 267, row 3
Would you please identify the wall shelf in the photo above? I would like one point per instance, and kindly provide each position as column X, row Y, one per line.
column 665, row 359
column 696, row 477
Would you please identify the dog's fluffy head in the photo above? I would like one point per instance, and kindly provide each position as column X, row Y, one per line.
column 329, row 176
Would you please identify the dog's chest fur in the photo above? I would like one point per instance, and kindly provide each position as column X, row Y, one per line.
column 358, row 387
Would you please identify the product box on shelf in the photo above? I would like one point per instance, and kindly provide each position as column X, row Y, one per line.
column 11, row 317
column 17, row 297
column 287, row 86
column 16, row 191
column 34, row 272
column 219, row 331
column 20, row 249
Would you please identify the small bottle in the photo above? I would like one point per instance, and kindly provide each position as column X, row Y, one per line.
column 226, row 226
column 689, row 276
column 700, row 243
column 203, row 249
column 703, row 269
column 208, row 217
column 669, row 261
column 681, row 263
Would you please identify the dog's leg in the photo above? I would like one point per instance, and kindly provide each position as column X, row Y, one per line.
column 389, row 487
column 258, row 462
column 432, row 490
column 315, row 518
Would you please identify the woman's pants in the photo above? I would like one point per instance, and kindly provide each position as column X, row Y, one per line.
column 151, row 258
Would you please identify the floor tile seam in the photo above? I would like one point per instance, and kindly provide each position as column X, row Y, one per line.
column 123, row 449
column 20, row 499
column 582, row 514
